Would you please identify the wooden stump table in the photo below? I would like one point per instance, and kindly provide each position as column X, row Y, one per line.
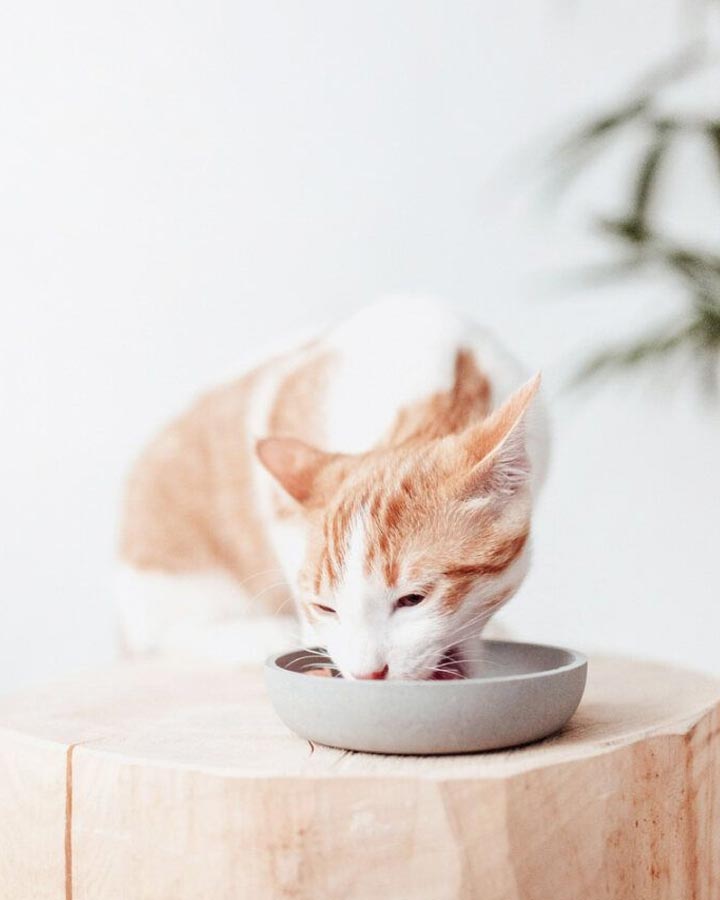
column 160, row 782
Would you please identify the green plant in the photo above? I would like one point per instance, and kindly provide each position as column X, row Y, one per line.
column 640, row 245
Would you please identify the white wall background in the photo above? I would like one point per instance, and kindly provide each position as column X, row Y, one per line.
column 179, row 181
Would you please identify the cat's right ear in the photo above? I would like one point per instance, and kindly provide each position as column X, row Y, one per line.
column 297, row 466
column 499, row 463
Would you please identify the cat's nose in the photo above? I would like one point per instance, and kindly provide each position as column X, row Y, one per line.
column 372, row 676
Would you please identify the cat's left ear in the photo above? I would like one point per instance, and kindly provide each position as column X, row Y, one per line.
column 495, row 450
column 297, row 466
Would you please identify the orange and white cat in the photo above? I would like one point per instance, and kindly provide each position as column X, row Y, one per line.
column 378, row 480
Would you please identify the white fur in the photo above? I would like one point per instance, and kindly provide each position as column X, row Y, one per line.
column 397, row 352
column 391, row 354
column 204, row 615
column 357, row 640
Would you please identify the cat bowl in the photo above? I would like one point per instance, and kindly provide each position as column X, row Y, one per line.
column 528, row 691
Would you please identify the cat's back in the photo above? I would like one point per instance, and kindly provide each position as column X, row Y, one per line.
column 342, row 392
column 181, row 490
column 394, row 355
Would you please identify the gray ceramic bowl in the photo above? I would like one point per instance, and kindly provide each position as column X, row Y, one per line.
column 529, row 692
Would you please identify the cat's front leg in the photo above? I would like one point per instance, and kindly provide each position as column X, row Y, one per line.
column 204, row 615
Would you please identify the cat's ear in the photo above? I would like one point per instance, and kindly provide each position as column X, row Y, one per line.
column 294, row 464
column 496, row 449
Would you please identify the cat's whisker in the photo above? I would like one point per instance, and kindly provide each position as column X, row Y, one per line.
column 285, row 602
column 269, row 587
column 314, row 650
column 489, row 664
column 315, row 662
column 273, row 571
column 281, row 582
column 463, row 633
column 439, row 669
column 476, row 620
column 480, row 618
column 318, row 658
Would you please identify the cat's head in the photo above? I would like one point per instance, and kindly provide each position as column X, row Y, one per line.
column 411, row 549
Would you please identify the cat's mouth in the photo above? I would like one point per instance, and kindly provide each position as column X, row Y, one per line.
column 449, row 666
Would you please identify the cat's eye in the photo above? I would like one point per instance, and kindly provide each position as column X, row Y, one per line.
column 328, row 610
column 409, row 600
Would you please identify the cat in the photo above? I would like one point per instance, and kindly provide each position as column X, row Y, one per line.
column 379, row 480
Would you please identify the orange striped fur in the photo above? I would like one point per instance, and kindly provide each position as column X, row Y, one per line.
column 400, row 552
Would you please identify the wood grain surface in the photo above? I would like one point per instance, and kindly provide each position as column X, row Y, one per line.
column 166, row 782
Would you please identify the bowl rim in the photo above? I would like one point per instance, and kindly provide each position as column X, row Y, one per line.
column 577, row 661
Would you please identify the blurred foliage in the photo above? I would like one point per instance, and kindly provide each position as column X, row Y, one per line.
column 640, row 246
